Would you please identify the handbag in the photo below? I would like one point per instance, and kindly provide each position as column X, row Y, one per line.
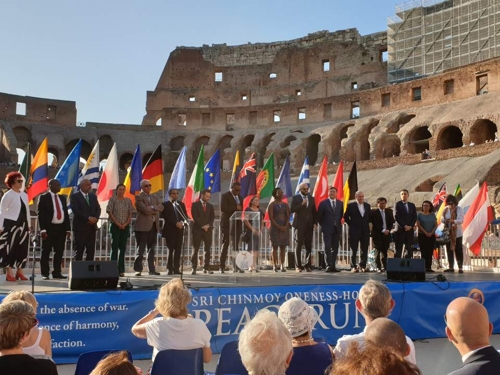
column 442, row 234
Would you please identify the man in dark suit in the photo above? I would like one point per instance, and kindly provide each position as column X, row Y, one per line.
column 406, row 217
column 147, row 226
column 468, row 328
column 329, row 217
column 382, row 220
column 54, row 229
column 357, row 216
column 203, row 223
column 231, row 202
column 86, row 212
column 174, row 213
column 304, row 222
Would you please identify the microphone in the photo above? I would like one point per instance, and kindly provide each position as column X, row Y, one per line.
column 178, row 207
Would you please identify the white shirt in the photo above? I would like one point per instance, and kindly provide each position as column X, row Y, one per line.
column 342, row 344
column 458, row 221
column 55, row 220
column 181, row 334
column 361, row 208
column 10, row 206
column 384, row 223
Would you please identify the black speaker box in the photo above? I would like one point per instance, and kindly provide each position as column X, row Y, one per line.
column 88, row 275
column 405, row 269
column 290, row 260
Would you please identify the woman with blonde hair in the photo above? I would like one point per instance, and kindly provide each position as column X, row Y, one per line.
column 176, row 328
column 39, row 341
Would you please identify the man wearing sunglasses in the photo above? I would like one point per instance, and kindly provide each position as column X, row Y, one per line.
column 147, row 226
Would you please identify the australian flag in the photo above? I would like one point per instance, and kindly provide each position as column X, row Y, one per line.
column 440, row 197
column 212, row 173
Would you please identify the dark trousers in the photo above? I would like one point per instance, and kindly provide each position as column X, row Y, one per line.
column 331, row 242
column 198, row 237
column 56, row 239
column 303, row 237
column 427, row 245
column 232, row 235
column 362, row 241
column 145, row 240
column 404, row 238
column 380, row 246
column 174, row 245
column 85, row 242
column 457, row 253
column 119, row 238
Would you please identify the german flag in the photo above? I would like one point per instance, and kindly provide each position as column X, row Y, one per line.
column 153, row 171
column 351, row 185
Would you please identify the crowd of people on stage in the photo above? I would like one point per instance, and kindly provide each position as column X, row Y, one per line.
column 269, row 343
column 382, row 224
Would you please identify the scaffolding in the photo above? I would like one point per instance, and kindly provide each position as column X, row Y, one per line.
column 427, row 37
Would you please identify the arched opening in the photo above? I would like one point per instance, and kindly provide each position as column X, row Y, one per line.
column 419, row 140
column 5, row 156
column 225, row 142
column 428, row 184
column 145, row 158
column 245, row 143
column 53, row 157
column 364, row 151
column 391, row 148
column 23, row 136
column 450, row 137
column 197, row 147
column 483, row 130
column 312, row 148
column 343, row 131
column 288, row 140
column 158, row 122
column 177, row 143
column 85, row 151
column 105, row 146
column 405, row 120
column 125, row 161
column 21, row 153
column 261, row 151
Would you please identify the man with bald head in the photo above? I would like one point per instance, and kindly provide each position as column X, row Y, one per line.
column 384, row 332
column 357, row 216
column 468, row 328
column 86, row 212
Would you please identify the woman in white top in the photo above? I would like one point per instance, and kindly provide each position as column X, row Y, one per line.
column 14, row 227
column 175, row 329
column 453, row 217
column 39, row 341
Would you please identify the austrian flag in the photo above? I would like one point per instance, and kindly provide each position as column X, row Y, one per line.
column 476, row 220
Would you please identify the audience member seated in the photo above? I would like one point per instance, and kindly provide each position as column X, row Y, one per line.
column 17, row 318
column 372, row 360
column 265, row 345
column 300, row 318
column 176, row 329
column 468, row 327
column 39, row 342
column 374, row 301
column 116, row 364
column 386, row 333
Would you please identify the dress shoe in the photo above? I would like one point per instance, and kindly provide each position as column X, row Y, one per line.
column 335, row 270
column 154, row 273
column 328, row 269
column 20, row 276
column 170, row 272
column 460, row 271
column 137, row 274
column 45, row 277
column 449, row 270
column 221, row 270
column 238, row 270
column 10, row 278
column 193, row 271
column 59, row 276
column 308, row 269
column 207, row 271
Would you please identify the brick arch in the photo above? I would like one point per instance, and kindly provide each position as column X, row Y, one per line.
column 85, row 151
column 312, row 148
column 203, row 140
column 450, row 137
column 177, row 143
column 483, row 130
column 419, row 140
column 55, row 153
column 125, row 160
column 287, row 141
column 105, row 146
column 23, row 135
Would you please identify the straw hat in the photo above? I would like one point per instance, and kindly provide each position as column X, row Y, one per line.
column 297, row 316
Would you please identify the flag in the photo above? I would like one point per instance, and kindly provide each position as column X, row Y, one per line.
column 350, row 186
column 134, row 176
column 236, row 168
column 39, row 172
column 195, row 184
column 304, row 175
column 153, row 171
column 248, row 180
column 284, row 183
column 68, row 173
column 108, row 181
column 320, row 192
column 212, row 173
column 476, row 220
column 466, row 201
column 91, row 169
column 458, row 192
column 26, row 166
column 178, row 177
column 265, row 179
column 438, row 202
column 338, row 182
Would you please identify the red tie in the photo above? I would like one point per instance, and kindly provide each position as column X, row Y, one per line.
column 204, row 207
column 58, row 208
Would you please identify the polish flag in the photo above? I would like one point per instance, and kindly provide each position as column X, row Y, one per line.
column 476, row 220
column 108, row 181
column 321, row 187
column 338, row 182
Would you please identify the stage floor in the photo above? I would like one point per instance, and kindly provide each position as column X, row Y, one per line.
column 228, row 280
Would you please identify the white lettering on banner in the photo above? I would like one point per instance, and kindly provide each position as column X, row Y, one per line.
column 356, row 319
column 245, row 317
column 320, row 313
column 332, row 315
column 67, row 344
column 314, row 296
column 101, row 325
column 221, row 321
column 208, row 315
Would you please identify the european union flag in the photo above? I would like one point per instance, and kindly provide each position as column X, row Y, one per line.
column 212, row 173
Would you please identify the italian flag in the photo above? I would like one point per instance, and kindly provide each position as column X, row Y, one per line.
column 196, row 183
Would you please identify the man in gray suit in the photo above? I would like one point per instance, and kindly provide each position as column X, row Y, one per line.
column 147, row 227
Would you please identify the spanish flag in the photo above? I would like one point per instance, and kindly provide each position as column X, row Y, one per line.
column 351, row 185
column 39, row 172
column 153, row 171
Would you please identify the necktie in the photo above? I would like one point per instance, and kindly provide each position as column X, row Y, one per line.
column 58, row 208
column 204, row 207
column 382, row 212
column 406, row 207
column 307, row 200
column 237, row 199
column 87, row 199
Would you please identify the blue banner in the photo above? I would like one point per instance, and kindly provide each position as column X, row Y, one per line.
column 81, row 322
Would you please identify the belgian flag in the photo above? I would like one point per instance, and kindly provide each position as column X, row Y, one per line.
column 351, row 185
column 153, row 171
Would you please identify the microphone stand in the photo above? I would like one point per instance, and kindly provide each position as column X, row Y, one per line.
column 32, row 277
column 185, row 224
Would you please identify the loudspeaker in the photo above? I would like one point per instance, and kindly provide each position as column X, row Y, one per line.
column 405, row 269
column 290, row 260
column 87, row 275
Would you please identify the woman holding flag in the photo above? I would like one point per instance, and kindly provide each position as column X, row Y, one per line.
column 453, row 217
